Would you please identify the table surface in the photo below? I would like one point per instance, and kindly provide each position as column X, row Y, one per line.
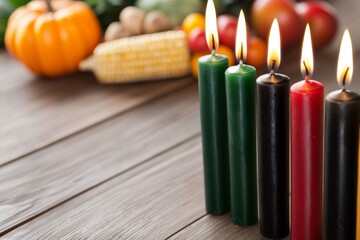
column 80, row 160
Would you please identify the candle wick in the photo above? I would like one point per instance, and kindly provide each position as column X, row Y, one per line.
column 241, row 53
column 213, row 42
column 272, row 71
column 273, row 64
column 213, row 53
column 307, row 73
column 241, row 62
column 344, row 78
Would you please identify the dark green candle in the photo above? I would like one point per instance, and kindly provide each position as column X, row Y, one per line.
column 240, row 94
column 214, row 123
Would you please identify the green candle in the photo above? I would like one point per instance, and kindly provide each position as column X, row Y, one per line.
column 240, row 92
column 213, row 121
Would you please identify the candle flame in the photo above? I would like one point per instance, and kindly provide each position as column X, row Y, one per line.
column 345, row 62
column 274, row 50
column 241, row 41
column 212, row 38
column 307, row 59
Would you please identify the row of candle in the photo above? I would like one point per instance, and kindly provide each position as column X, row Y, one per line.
column 228, row 115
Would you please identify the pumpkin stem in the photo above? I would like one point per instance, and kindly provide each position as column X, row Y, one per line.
column 49, row 7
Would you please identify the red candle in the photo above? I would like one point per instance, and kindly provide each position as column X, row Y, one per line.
column 307, row 104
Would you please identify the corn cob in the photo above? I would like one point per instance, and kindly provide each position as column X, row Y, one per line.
column 140, row 58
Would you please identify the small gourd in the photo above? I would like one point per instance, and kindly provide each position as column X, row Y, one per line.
column 51, row 37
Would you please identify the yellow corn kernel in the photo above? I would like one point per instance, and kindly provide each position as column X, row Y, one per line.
column 140, row 58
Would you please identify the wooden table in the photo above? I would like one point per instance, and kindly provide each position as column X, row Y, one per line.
column 79, row 160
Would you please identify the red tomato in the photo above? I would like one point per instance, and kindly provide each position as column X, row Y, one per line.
column 291, row 24
column 323, row 21
column 197, row 40
column 227, row 25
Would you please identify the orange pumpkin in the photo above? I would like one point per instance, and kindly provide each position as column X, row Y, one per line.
column 52, row 37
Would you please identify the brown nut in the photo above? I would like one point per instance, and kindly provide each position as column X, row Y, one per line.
column 116, row 31
column 132, row 19
column 156, row 21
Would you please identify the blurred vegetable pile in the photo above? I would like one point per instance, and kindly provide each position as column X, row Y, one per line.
column 176, row 10
column 292, row 18
column 80, row 25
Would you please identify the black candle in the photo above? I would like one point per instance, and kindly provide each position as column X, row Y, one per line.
column 341, row 152
column 273, row 145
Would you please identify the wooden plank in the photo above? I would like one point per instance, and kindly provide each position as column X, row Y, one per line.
column 9, row 70
column 218, row 227
column 36, row 113
column 150, row 201
column 48, row 177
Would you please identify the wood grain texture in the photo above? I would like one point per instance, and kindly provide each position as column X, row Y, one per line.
column 38, row 112
column 150, row 201
column 218, row 227
column 48, row 177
